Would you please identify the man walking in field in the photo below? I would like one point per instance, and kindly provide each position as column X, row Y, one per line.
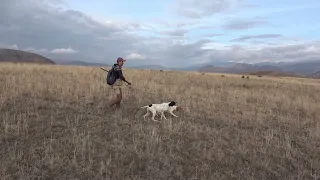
column 116, row 73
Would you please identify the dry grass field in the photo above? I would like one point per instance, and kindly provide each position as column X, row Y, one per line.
column 55, row 124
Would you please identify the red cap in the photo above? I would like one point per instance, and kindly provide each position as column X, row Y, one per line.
column 121, row 59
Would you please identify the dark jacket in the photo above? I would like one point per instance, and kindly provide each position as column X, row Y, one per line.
column 117, row 72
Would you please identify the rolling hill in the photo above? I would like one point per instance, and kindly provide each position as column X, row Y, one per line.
column 17, row 56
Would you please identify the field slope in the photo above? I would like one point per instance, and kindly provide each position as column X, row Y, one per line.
column 55, row 124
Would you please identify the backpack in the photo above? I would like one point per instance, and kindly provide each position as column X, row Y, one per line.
column 111, row 79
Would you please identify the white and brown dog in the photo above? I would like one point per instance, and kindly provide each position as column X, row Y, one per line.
column 161, row 108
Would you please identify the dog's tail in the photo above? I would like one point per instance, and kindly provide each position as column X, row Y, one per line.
column 144, row 107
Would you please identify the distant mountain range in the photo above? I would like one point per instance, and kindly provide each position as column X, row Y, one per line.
column 305, row 69
column 300, row 69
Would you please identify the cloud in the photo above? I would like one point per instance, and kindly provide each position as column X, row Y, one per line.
column 262, row 36
column 272, row 53
column 135, row 56
column 177, row 32
column 56, row 31
column 8, row 46
column 212, row 35
column 42, row 26
column 54, row 51
column 64, row 51
column 197, row 9
column 244, row 24
column 30, row 49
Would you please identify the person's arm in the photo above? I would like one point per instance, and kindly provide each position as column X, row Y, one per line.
column 122, row 77
column 119, row 70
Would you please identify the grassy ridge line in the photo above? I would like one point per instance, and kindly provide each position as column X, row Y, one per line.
column 56, row 124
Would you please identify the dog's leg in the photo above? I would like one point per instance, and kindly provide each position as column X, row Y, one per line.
column 144, row 116
column 153, row 114
column 173, row 114
column 163, row 116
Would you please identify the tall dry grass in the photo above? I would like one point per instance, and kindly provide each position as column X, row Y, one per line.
column 55, row 124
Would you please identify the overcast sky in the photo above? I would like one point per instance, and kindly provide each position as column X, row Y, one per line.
column 164, row 32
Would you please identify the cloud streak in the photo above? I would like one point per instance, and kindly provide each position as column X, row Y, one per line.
column 244, row 24
column 262, row 36
column 64, row 51
column 197, row 9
